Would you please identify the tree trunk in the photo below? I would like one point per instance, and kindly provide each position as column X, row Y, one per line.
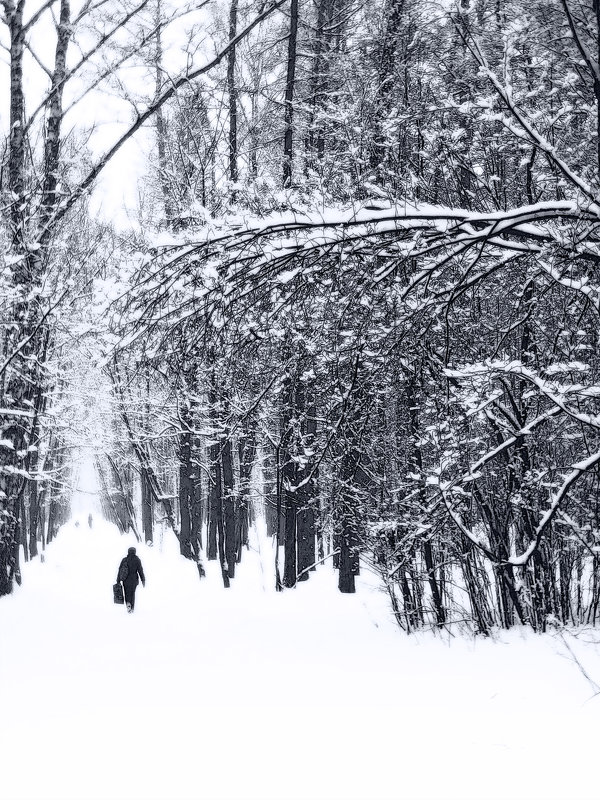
column 34, row 505
column 288, row 119
column 386, row 88
column 307, row 496
column 270, row 483
column 351, row 484
column 214, row 503
column 220, row 529
column 186, row 492
column 246, row 457
column 290, row 531
column 596, row 10
column 232, row 91
column 289, row 501
column 417, row 466
column 15, row 427
column 229, row 506
column 147, row 509
column 161, row 125
column 348, row 517
column 197, row 508
column 54, row 118
column 328, row 29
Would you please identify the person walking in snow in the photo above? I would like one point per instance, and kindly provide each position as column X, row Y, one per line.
column 129, row 570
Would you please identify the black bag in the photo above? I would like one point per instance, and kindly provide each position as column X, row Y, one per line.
column 123, row 571
column 118, row 595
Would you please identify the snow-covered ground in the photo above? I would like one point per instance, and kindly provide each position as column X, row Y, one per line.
column 247, row 694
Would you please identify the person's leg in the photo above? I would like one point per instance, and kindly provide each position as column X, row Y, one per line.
column 129, row 596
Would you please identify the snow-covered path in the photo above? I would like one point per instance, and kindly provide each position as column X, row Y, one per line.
column 248, row 695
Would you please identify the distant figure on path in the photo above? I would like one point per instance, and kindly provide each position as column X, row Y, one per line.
column 90, row 520
column 129, row 569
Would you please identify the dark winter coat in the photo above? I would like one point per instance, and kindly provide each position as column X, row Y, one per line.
column 135, row 569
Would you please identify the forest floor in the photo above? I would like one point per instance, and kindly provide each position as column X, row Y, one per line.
column 246, row 694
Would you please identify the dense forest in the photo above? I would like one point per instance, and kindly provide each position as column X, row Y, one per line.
column 357, row 302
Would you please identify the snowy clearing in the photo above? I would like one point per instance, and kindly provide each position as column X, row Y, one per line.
column 188, row 698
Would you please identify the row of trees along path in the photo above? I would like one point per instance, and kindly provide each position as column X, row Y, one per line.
column 362, row 308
